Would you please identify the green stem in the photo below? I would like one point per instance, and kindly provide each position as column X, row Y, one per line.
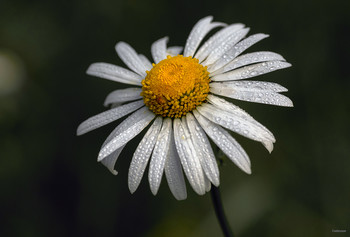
column 219, row 210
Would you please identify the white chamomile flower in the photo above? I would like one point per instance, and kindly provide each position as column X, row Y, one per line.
column 177, row 96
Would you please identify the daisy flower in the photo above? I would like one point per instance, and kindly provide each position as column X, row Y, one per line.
column 180, row 98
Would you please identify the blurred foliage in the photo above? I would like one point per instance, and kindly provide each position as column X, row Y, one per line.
column 51, row 183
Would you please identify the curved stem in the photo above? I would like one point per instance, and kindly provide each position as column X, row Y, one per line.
column 219, row 210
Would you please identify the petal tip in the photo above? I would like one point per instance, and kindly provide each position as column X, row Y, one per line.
column 154, row 191
column 132, row 189
column 88, row 71
column 80, row 130
column 288, row 102
column 210, row 18
column 246, row 168
column 248, row 171
column 100, row 157
column 216, row 183
column 268, row 145
column 181, row 197
column 287, row 64
column 119, row 44
column 270, row 149
column 114, row 172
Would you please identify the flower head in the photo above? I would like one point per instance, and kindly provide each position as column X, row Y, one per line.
column 178, row 98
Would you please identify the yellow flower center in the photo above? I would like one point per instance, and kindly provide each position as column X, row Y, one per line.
column 175, row 86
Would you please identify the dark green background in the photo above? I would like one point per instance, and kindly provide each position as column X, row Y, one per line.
column 51, row 184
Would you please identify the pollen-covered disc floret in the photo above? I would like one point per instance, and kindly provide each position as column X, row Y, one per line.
column 175, row 86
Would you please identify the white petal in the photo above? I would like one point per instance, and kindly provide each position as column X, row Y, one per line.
column 142, row 154
column 174, row 50
column 244, row 60
column 159, row 156
column 111, row 159
column 173, row 172
column 235, row 51
column 244, row 44
column 252, row 58
column 130, row 58
column 256, row 86
column 225, row 142
column 207, row 184
column 158, row 49
column 127, row 130
column 188, row 157
column 205, row 152
column 123, row 95
column 237, row 124
column 114, row 73
column 108, row 116
column 226, row 45
column 217, row 39
column 198, row 32
column 146, row 62
column 236, row 111
column 251, row 71
column 254, row 92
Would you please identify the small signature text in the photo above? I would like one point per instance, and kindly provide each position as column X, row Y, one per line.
column 338, row 231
